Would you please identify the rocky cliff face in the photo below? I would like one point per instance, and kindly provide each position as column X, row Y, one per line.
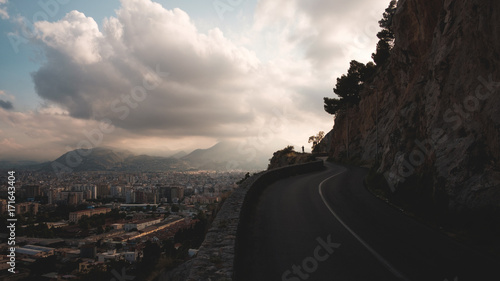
column 434, row 108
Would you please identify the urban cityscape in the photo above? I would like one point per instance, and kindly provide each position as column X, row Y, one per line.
column 171, row 140
column 86, row 224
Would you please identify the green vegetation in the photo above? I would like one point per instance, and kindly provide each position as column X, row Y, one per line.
column 316, row 139
column 164, row 255
column 194, row 235
column 349, row 86
column 151, row 255
column 42, row 266
column 386, row 36
column 101, row 274
column 288, row 156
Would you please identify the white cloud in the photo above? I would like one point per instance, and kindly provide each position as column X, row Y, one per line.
column 326, row 33
column 88, row 72
column 9, row 144
column 35, row 135
column 3, row 10
column 75, row 36
column 216, row 87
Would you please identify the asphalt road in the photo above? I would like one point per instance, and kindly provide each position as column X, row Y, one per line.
column 327, row 226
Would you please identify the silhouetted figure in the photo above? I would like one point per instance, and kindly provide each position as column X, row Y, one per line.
column 302, row 149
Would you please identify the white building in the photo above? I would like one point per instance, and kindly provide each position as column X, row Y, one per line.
column 109, row 255
column 130, row 256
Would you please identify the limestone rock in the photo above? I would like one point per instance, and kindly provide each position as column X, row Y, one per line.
column 438, row 103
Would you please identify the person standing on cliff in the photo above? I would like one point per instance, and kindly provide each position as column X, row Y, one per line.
column 302, row 149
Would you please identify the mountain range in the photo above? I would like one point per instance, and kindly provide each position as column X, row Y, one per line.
column 223, row 156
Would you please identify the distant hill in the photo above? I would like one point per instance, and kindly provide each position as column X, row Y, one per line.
column 154, row 164
column 221, row 157
column 97, row 159
column 106, row 159
column 228, row 155
column 179, row 155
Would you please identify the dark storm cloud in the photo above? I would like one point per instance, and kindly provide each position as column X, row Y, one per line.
column 6, row 105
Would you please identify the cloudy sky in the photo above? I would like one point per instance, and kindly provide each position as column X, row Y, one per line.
column 161, row 76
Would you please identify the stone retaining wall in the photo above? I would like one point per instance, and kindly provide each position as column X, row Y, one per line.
column 216, row 257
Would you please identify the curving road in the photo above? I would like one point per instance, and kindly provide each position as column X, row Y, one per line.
column 327, row 226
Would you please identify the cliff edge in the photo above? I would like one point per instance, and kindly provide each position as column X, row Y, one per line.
column 434, row 108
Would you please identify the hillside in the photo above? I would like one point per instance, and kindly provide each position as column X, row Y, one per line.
column 105, row 159
column 433, row 108
column 228, row 155
column 221, row 157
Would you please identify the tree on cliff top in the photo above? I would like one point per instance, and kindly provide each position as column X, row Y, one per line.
column 348, row 86
column 386, row 21
column 386, row 35
column 316, row 139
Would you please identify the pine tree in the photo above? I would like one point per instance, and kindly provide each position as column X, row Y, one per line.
column 348, row 87
column 386, row 35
